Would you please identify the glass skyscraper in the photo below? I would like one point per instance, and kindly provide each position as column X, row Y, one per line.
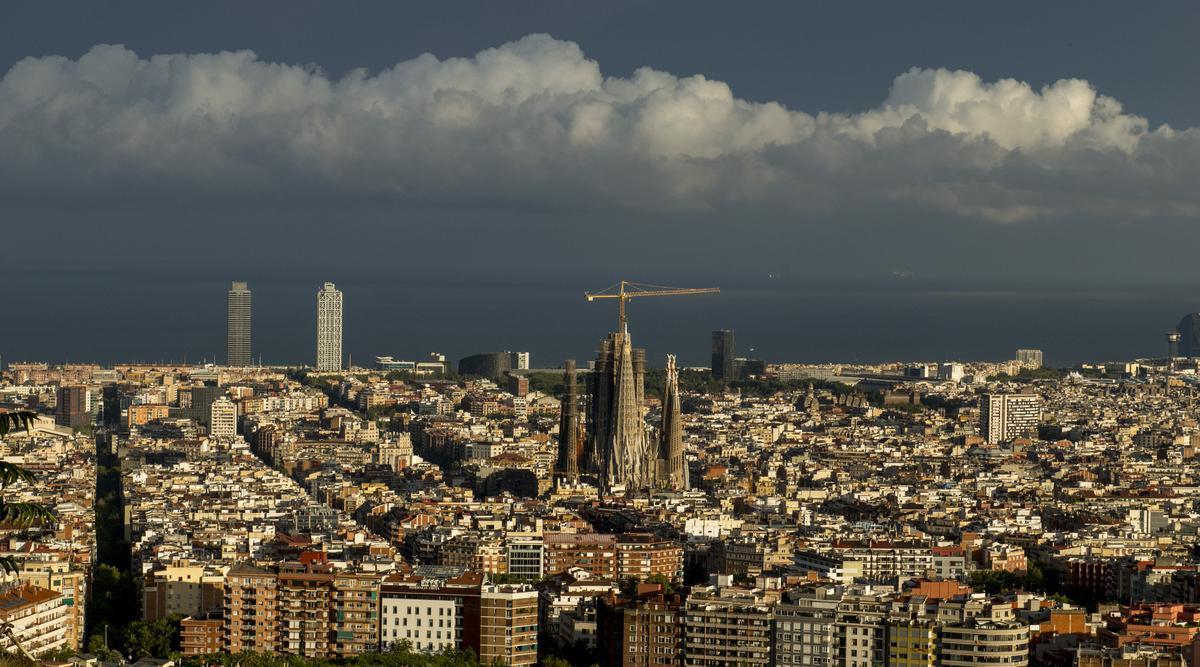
column 237, row 327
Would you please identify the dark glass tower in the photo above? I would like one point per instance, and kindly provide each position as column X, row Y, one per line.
column 722, row 354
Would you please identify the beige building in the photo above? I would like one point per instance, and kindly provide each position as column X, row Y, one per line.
column 182, row 588
column 911, row 642
column 39, row 619
column 977, row 632
column 508, row 624
column 251, row 610
column 56, row 574
column 222, row 419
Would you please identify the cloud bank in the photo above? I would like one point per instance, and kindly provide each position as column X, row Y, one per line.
column 536, row 123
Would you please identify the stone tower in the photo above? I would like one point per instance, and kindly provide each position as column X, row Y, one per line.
column 672, row 468
column 618, row 447
column 568, row 427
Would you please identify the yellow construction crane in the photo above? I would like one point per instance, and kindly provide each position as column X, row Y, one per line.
column 625, row 290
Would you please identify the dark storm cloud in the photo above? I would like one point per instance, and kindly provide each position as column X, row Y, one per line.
column 535, row 122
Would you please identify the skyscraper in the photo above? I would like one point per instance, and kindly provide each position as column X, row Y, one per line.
column 722, row 354
column 237, row 326
column 568, row 427
column 329, row 328
column 671, row 468
column 74, row 408
column 619, row 450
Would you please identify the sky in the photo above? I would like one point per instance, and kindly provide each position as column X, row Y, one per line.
column 1038, row 157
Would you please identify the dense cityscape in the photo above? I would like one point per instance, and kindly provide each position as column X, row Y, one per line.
column 621, row 511
column 305, row 358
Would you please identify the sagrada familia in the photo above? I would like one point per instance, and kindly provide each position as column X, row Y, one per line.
column 614, row 443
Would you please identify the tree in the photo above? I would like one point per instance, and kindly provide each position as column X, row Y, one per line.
column 97, row 647
column 149, row 638
column 18, row 514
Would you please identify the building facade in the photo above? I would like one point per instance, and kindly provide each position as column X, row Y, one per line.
column 640, row 632
column 222, row 419
column 74, row 406
column 237, row 326
column 329, row 328
column 723, row 354
column 1003, row 417
column 1029, row 358
column 508, row 624
column 431, row 614
column 38, row 618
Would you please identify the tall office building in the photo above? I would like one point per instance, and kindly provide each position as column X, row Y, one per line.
column 1029, row 358
column 568, row 427
column 722, row 354
column 671, row 467
column 237, row 326
column 619, row 451
column 74, row 408
column 1003, row 417
column 329, row 328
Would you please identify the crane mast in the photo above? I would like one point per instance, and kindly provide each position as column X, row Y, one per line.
column 626, row 290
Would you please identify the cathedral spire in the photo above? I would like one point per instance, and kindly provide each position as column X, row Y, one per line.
column 568, row 427
column 672, row 468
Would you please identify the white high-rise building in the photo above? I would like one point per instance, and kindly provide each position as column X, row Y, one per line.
column 951, row 371
column 1003, row 417
column 519, row 360
column 222, row 419
column 329, row 328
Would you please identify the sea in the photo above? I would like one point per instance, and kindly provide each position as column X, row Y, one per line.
column 126, row 316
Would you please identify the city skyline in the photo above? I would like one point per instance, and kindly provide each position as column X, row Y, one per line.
column 669, row 332
column 931, row 398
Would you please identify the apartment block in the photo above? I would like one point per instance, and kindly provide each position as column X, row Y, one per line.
column 508, row 624
column 640, row 632
column 431, row 614
column 38, row 620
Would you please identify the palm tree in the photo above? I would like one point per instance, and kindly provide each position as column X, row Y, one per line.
column 19, row 514
column 6, row 630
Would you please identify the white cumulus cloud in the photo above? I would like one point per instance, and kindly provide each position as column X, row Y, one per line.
column 535, row 122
